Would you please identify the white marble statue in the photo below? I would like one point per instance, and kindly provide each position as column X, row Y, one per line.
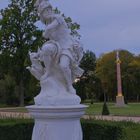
column 55, row 64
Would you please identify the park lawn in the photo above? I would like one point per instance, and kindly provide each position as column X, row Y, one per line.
column 14, row 109
column 132, row 132
column 132, row 109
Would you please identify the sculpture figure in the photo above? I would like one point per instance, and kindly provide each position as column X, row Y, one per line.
column 36, row 68
column 60, row 55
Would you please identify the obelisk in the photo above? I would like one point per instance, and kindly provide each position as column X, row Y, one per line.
column 119, row 97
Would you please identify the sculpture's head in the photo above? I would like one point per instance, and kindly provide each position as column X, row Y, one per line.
column 45, row 10
column 38, row 2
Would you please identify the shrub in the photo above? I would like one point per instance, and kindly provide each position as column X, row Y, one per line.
column 101, row 130
column 16, row 129
column 92, row 130
column 105, row 110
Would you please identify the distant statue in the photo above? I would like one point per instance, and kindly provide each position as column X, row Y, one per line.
column 60, row 56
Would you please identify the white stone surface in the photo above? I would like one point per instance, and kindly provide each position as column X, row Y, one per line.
column 120, row 101
column 57, row 123
column 57, row 110
column 55, row 64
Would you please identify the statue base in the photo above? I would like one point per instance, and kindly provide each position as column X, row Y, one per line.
column 68, row 99
column 57, row 122
column 120, row 101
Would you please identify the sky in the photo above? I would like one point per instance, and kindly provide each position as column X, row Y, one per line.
column 106, row 25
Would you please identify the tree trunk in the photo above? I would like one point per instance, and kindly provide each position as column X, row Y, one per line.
column 104, row 97
column 137, row 98
column 21, row 93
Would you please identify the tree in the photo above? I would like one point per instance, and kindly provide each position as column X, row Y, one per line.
column 106, row 71
column 18, row 36
column 88, row 85
column 7, row 86
column 132, row 79
column 88, row 62
column 105, row 110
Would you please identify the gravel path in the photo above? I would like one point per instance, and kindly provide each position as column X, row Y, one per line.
column 19, row 115
column 98, row 117
column 113, row 118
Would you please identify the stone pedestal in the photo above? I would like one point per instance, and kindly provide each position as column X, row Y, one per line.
column 120, row 101
column 57, row 122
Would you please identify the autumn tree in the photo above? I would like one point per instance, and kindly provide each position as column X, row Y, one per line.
column 106, row 71
column 132, row 80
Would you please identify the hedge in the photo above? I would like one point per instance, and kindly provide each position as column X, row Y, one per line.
column 92, row 130
column 101, row 130
column 16, row 129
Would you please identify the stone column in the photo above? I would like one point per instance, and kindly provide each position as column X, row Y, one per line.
column 57, row 123
column 119, row 97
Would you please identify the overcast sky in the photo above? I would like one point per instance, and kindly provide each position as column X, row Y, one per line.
column 106, row 25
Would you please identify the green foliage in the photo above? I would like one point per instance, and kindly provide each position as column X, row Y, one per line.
column 7, row 93
column 88, row 62
column 101, row 130
column 88, row 84
column 131, row 80
column 131, row 131
column 132, row 109
column 73, row 26
column 106, row 71
column 18, row 36
column 80, row 88
column 16, row 129
column 92, row 130
column 105, row 110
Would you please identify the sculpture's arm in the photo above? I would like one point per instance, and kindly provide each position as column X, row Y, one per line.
column 36, row 73
column 36, row 3
column 49, row 27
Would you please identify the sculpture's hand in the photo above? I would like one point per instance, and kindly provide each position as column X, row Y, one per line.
column 28, row 68
column 45, row 34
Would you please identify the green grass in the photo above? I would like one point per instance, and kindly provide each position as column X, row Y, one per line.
column 3, row 105
column 132, row 132
column 21, row 129
column 132, row 109
column 14, row 109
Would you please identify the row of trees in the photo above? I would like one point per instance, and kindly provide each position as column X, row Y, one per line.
column 100, row 76
column 130, row 70
column 18, row 35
